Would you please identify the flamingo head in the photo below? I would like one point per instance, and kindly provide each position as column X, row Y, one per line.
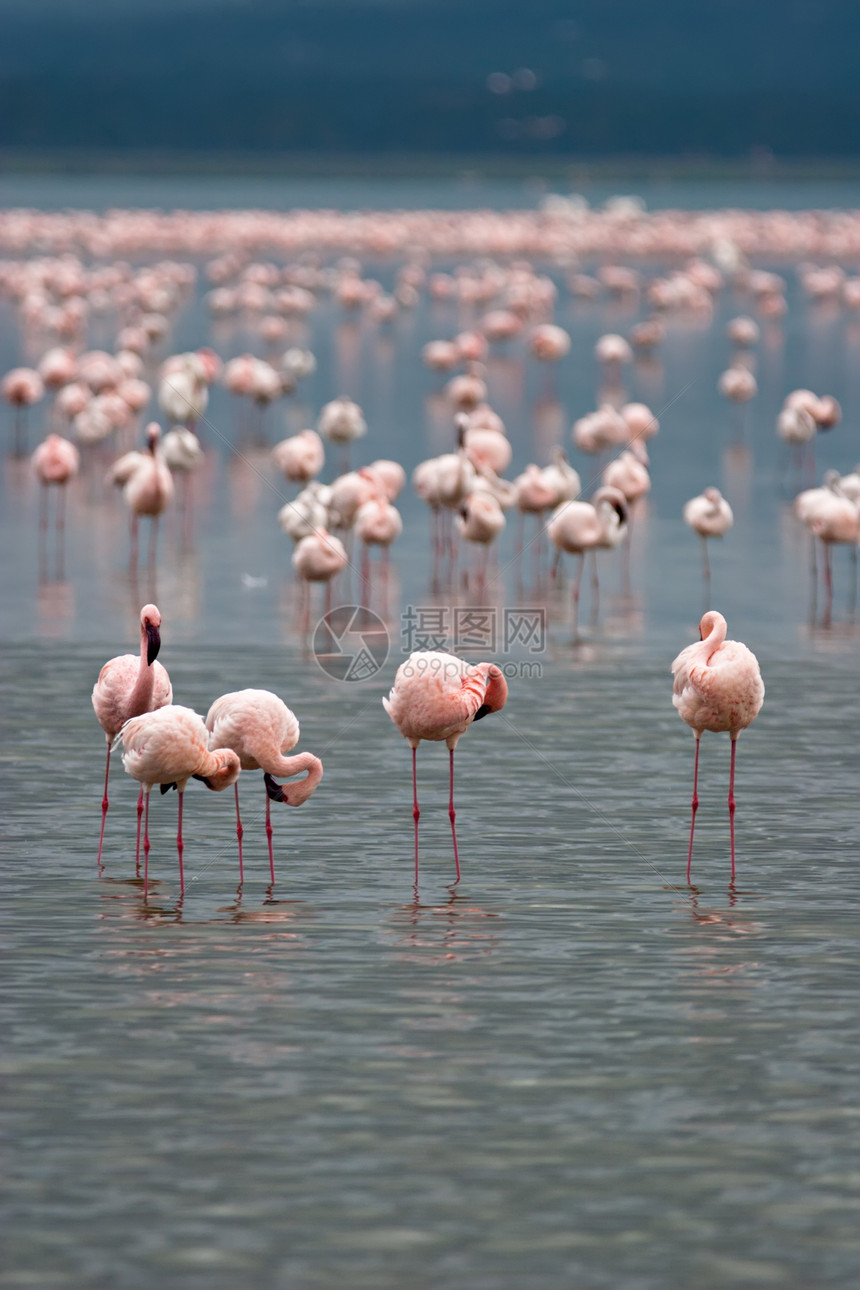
column 151, row 622
column 496, row 693
column 226, row 770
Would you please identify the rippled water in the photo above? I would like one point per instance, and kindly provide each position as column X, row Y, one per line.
column 572, row 1070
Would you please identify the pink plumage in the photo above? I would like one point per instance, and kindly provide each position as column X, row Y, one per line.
column 260, row 729
column 718, row 687
column 437, row 696
column 127, row 686
column 169, row 747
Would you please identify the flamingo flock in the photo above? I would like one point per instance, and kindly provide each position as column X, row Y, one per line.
column 136, row 416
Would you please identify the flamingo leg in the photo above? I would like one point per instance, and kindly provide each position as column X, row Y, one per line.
column 104, row 807
column 732, row 805
column 146, row 844
column 576, row 586
column 180, row 846
column 452, row 814
column 153, row 540
column 828, row 581
column 706, row 569
column 695, row 807
column 137, row 846
column 132, row 559
column 416, row 814
column 239, row 834
column 595, row 588
column 269, row 832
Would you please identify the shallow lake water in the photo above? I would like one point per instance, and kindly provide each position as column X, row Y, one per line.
column 569, row 1070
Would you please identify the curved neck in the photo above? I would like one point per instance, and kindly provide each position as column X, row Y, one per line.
column 714, row 638
column 286, row 766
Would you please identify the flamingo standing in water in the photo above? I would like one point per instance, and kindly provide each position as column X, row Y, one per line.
column 260, row 729
column 717, row 686
column 55, row 461
column 129, row 685
column 709, row 515
column 169, row 747
column 148, row 491
column 579, row 527
column 437, row 696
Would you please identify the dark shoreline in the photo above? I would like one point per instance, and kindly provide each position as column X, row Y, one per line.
column 570, row 169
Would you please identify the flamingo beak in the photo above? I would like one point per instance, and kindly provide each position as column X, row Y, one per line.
column 274, row 789
column 153, row 643
column 482, row 711
column 203, row 780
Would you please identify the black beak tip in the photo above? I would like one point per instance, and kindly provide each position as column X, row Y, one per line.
column 482, row 711
column 274, row 789
column 153, row 638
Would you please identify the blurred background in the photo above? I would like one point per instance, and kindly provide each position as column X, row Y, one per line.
column 405, row 82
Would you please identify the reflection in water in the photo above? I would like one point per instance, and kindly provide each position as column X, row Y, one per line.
column 451, row 932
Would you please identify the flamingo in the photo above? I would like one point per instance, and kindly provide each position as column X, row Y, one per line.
column 55, row 461
column 717, row 686
column 129, row 685
column 301, row 457
column 579, row 527
column 22, row 387
column 169, row 746
column 377, row 523
column 260, row 729
column 437, row 696
column 833, row 517
column 709, row 515
column 148, row 491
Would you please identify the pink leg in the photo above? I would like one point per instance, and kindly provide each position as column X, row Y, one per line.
column 180, row 847
column 269, row 832
column 132, row 559
column 452, row 814
column 415, row 811
column 137, row 847
column 576, row 586
column 239, row 835
column 146, row 844
column 104, row 808
column 695, row 806
column 732, row 805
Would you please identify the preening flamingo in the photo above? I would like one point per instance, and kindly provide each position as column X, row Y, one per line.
column 437, row 696
column 169, row 747
column 260, row 729
column 709, row 515
column 127, row 686
column 717, row 686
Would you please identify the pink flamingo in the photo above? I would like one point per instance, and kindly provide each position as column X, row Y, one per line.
column 168, row 747
column 260, row 729
column 717, row 686
column 579, row 527
column 148, row 491
column 22, row 387
column 55, row 461
column 129, row 685
column 709, row 515
column 437, row 696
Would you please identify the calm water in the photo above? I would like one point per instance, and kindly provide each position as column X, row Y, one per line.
column 572, row 1070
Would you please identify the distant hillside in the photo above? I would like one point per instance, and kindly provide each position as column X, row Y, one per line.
column 593, row 77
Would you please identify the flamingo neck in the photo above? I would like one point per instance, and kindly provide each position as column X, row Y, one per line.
column 141, row 695
column 283, row 767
